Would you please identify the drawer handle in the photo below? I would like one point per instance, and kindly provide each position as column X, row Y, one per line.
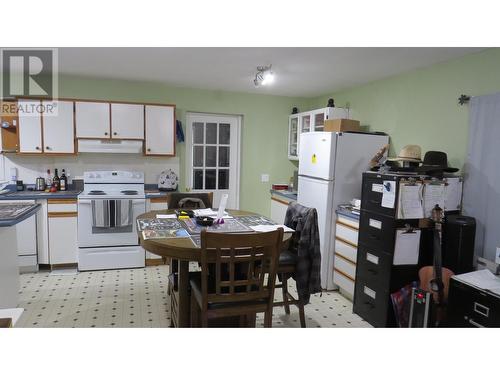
column 374, row 237
column 481, row 309
column 374, row 201
column 372, row 271
column 370, row 304
column 475, row 324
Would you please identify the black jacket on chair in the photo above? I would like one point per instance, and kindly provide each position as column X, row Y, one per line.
column 305, row 243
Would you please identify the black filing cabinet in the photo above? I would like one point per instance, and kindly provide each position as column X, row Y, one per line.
column 376, row 276
column 469, row 306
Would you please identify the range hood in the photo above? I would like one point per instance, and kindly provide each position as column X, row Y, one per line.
column 113, row 146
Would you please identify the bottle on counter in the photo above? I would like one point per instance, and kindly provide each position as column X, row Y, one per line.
column 48, row 180
column 56, row 182
column 63, row 181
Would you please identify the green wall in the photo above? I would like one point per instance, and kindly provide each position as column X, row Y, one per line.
column 264, row 129
column 420, row 107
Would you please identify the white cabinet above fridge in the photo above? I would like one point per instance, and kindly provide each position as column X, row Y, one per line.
column 311, row 121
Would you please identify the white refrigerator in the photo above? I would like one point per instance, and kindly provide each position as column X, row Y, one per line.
column 330, row 173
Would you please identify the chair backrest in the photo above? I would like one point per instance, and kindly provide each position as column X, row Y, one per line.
column 239, row 264
column 173, row 200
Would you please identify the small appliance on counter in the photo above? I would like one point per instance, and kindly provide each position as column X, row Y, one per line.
column 40, row 184
column 19, row 185
column 168, row 181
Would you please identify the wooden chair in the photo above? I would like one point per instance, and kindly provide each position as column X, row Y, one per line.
column 286, row 268
column 232, row 280
column 173, row 199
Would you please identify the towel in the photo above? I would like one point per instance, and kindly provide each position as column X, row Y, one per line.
column 111, row 213
column 100, row 213
column 123, row 213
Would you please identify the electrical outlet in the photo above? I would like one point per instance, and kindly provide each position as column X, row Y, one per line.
column 264, row 178
column 497, row 257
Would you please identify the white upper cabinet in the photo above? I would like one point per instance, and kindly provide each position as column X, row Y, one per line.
column 160, row 130
column 127, row 121
column 293, row 137
column 92, row 120
column 29, row 127
column 59, row 130
column 309, row 122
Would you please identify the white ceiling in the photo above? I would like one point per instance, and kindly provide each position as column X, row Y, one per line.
column 305, row 72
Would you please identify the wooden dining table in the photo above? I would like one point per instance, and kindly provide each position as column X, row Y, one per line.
column 181, row 251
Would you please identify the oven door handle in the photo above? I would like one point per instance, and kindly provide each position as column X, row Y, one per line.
column 84, row 202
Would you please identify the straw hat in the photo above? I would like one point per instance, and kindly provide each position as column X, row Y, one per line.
column 411, row 153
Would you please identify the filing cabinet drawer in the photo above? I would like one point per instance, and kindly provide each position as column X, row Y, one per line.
column 371, row 303
column 471, row 307
column 375, row 267
column 346, row 250
column 346, row 233
column 372, row 191
column 377, row 231
column 345, row 266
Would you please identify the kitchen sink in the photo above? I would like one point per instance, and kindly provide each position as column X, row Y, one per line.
column 11, row 211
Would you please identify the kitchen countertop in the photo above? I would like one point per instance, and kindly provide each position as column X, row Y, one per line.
column 9, row 220
column 285, row 193
column 28, row 194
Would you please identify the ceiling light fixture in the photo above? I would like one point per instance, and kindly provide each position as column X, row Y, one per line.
column 264, row 76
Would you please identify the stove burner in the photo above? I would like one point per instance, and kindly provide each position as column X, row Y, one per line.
column 97, row 192
column 129, row 192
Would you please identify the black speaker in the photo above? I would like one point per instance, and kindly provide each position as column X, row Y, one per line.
column 458, row 243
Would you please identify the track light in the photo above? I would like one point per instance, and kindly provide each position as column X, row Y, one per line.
column 264, row 76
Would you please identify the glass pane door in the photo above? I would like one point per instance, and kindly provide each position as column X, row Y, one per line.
column 293, row 136
column 306, row 124
column 211, row 150
column 319, row 122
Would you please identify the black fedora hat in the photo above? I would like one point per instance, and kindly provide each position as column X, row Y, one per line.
column 436, row 161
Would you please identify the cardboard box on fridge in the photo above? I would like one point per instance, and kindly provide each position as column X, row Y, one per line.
column 342, row 125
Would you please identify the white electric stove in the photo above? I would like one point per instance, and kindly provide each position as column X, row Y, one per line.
column 107, row 211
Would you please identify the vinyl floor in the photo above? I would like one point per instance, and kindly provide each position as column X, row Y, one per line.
column 138, row 298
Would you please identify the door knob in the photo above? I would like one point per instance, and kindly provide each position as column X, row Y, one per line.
column 115, row 133
column 105, row 133
column 149, row 149
column 37, row 148
column 47, row 148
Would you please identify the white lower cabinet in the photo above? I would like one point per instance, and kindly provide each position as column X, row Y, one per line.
column 278, row 210
column 62, row 240
column 62, row 232
column 346, row 241
column 26, row 234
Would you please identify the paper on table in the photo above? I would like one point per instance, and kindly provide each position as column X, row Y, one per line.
column 433, row 194
column 410, row 202
column 388, row 194
column 407, row 247
column 222, row 206
column 453, row 194
column 166, row 216
column 207, row 212
column 483, row 279
column 270, row 228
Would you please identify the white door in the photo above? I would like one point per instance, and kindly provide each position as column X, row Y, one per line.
column 127, row 121
column 160, row 130
column 92, row 120
column 59, row 131
column 213, row 156
column 29, row 128
column 317, row 154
